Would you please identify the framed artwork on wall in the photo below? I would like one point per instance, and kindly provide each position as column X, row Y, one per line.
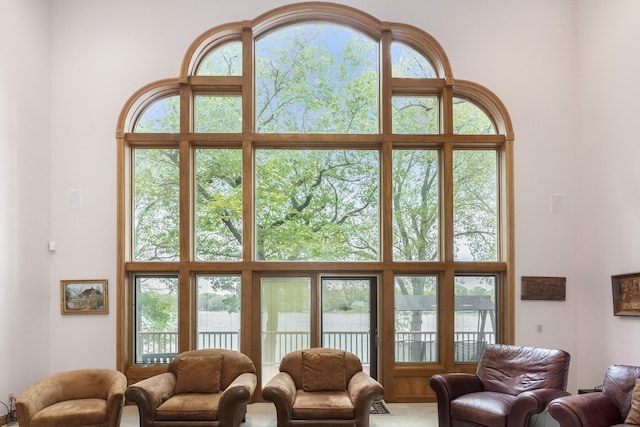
column 626, row 294
column 84, row 297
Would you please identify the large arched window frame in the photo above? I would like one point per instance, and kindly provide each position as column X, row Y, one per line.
column 403, row 381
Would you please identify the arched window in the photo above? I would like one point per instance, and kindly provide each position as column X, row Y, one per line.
column 316, row 177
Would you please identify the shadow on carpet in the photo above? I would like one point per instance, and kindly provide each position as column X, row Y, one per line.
column 379, row 408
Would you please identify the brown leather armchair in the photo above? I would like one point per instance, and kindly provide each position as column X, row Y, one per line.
column 323, row 387
column 608, row 408
column 83, row 397
column 510, row 386
column 209, row 387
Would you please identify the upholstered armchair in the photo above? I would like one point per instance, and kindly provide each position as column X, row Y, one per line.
column 322, row 387
column 84, row 397
column 608, row 408
column 209, row 387
column 512, row 385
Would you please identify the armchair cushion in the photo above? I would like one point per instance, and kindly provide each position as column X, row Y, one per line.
column 323, row 371
column 199, row 374
column 634, row 413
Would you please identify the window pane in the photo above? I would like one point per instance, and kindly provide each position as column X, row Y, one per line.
column 475, row 205
column 468, row 118
column 286, row 320
column 218, row 204
column 475, row 316
column 416, row 211
column 415, row 114
column 408, row 63
column 317, row 205
column 225, row 60
column 316, row 78
column 156, row 323
column 163, row 116
column 156, row 205
column 218, row 114
column 416, row 319
column 218, row 303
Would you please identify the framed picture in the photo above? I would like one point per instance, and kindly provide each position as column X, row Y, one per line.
column 84, row 297
column 543, row 288
column 626, row 294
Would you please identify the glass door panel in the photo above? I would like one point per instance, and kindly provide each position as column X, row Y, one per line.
column 285, row 320
column 348, row 320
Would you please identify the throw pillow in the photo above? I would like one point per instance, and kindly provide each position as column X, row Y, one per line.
column 199, row 374
column 634, row 412
column 323, row 371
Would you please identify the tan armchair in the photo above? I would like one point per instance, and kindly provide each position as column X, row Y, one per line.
column 323, row 387
column 209, row 387
column 85, row 397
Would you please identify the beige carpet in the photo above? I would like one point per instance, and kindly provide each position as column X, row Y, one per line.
column 264, row 415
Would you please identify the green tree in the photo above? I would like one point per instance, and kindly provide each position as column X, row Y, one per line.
column 315, row 204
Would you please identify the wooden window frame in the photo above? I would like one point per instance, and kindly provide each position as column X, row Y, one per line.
column 399, row 380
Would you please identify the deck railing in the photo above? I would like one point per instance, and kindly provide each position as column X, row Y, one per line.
column 161, row 347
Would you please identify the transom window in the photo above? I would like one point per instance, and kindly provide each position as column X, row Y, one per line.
column 302, row 147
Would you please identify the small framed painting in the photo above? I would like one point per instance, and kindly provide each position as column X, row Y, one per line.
column 626, row 294
column 84, row 297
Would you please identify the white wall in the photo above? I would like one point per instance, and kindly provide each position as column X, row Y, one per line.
column 563, row 68
column 608, row 179
column 25, row 289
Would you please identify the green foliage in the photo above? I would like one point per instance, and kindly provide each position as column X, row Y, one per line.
column 218, row 204
column 317, row 205
column 312, row 204
column 225, row 60
column 156, row 204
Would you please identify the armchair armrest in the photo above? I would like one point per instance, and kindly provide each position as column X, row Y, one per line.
column 532, row 402
column 150, row 393
column 450, row 386
column 281, row 390
column 363, row 390
column 115, row 397
column 233, row 401
column 591, row 409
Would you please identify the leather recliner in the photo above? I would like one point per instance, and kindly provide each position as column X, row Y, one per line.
column 512, row 384
column 600, row 409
